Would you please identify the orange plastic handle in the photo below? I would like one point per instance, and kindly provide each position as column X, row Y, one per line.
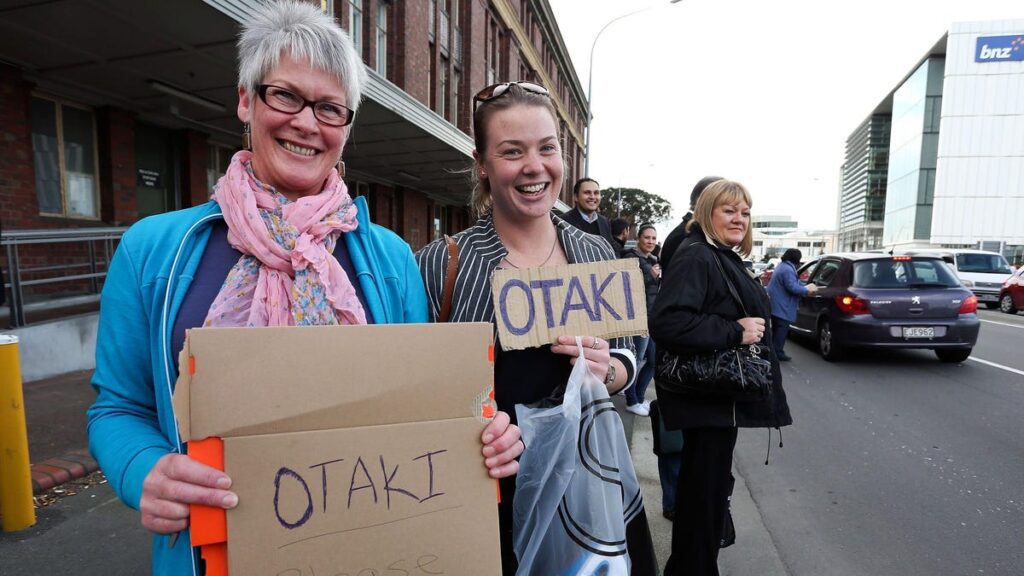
column 209, row 525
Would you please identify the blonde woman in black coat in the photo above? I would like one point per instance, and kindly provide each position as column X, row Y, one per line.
column 695, row 312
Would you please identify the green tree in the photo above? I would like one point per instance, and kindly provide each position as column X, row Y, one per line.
column 637, row 206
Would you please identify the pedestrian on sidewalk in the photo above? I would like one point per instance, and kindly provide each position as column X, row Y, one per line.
column 586, row 216
column 785, row 291
column 647, row 239
column 518, row 171
column 680, row 233
column 281, row 224
column 620, row 233
column 696, row 312
column 669, row 460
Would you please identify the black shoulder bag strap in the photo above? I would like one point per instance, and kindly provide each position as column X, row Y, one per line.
column 735, row 294
column 728, row 281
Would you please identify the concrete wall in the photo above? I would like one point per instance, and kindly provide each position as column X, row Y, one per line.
column 58, row 347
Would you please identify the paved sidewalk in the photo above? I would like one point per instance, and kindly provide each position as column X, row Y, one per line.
column 91, row 532
column 55, row 418
column 753, row 554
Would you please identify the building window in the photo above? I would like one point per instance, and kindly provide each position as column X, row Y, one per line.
column 492, row 66
column 382, row 38
column 64, row 154
column 431, row 11
column 456, row 97
column 441, row 220
column 217, row 164
column 355, row 23
column 442, row 89
column 431, row 92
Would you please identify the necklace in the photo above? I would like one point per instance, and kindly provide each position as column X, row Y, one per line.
column 550, row 254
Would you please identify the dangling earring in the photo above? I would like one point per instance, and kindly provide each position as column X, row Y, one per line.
column 246, row 137
column 340, row 166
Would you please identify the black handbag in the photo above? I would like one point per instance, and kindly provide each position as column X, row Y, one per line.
column 741, row 373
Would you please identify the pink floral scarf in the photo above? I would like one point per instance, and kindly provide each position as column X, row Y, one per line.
column 287, row 275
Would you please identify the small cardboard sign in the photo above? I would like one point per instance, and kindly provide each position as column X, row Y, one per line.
column 353, row 449
column 533, row 306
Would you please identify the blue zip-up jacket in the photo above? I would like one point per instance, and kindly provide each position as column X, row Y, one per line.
column 785, row 290
column 131, row 424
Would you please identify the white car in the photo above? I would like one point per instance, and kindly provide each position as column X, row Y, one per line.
column 983, row 273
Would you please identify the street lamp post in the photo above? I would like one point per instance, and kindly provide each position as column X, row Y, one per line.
column 590, row 80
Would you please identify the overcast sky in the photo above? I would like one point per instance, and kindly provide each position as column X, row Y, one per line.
column 763, row 92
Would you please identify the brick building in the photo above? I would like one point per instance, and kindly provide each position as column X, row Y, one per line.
column 121, row 109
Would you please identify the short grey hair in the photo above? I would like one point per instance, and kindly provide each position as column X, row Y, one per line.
column 302, row 31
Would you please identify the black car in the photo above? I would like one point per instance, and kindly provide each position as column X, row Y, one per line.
column 882, row 301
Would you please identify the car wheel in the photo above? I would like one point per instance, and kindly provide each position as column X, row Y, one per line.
column 991, row 305
column 1006, row 304
column 953, row 354
column 827, row 345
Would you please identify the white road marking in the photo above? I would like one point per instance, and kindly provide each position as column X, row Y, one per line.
column 1002, row 323
column 994, row 365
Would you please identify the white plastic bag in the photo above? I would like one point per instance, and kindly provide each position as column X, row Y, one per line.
column 576, row 489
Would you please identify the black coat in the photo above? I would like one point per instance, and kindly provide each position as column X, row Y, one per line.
column 695, row 312
column 651, row 283
column 604, row 227
column 672, row 242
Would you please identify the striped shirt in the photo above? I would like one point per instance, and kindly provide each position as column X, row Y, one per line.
column 480, row 252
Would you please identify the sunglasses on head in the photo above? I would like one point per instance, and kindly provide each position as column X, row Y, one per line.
column 497, row 90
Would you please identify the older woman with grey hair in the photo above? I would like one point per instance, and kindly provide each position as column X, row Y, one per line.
column 280, row 243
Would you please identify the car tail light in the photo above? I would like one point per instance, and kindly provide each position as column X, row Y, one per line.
column 969, row 305
column 901, row 258
column 850, row 304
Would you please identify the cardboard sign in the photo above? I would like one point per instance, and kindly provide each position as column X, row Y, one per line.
column 533, row 306
column 353, row 449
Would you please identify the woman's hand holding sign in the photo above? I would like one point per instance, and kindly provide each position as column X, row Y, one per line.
column 175, row 482
column 598, row 354
column 501, row 446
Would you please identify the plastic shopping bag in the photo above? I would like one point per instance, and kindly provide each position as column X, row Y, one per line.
column 576, row 489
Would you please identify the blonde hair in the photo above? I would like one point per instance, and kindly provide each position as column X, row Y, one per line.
column 480, row 200
column 717, row 194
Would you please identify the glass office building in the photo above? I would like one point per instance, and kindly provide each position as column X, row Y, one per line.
column 913, row 149
column 944, row 151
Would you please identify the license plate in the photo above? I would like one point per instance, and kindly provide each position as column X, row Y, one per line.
column 917, row 332
column 988, row 297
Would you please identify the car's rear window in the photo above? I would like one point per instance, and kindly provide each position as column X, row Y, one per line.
column 982, row 263
column 903, row 273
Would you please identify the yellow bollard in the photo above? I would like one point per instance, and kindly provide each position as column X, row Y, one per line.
column 15, row 475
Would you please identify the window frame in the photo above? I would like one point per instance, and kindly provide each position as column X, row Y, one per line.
column 213, row 154
column 59, row 103
column 355, row 29
column 383, row 10
column 815, row 278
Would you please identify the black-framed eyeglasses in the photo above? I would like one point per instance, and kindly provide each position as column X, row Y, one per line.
column 497, row 90
column 284, row 100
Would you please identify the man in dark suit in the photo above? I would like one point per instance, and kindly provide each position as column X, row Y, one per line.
column 620, row 232
column 584, row 216
column 678, row 234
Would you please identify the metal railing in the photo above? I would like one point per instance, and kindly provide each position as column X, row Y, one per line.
column 99, row 248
